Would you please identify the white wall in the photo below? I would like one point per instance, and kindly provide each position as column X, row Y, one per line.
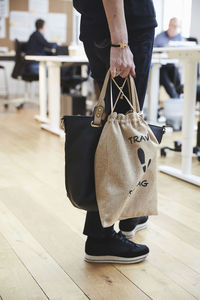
column 180, row 9
column 195, row 20
column 159, row 5
column 167, row 9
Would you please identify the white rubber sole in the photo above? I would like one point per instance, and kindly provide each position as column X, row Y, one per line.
column 114, row 259
column 130, row 234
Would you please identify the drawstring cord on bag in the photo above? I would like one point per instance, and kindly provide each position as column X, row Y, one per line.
column 111, row 95
column 120, row 93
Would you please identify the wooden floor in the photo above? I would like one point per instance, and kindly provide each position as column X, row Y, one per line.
column 41, row 241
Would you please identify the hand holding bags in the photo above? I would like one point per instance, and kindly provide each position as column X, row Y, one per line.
column 125, row 164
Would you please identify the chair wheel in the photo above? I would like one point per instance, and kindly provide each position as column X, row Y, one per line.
column 20, row 106
column 177, row 146
column 163, row 153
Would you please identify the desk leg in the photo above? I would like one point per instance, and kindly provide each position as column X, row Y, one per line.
column 153, row 93
column 190, row 74
column 84, row 87
column 42, row 117
column 54, row 99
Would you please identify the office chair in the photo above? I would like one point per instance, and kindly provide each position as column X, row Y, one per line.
column 178, row 144
column 21, row 72
column 71, row 80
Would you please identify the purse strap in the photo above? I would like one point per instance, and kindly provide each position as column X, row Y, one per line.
column 133, row 93
column 99, row 110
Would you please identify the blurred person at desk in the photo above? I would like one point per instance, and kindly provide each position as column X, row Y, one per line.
column 38, row 45
column 169, row 73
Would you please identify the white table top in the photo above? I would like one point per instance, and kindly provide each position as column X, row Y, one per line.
column 11, row 53
column 158, row 53
column 58, row 58
column 183, row 53
column 177, row 49
column 164, row 61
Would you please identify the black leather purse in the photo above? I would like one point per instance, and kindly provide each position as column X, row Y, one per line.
column 82, row 138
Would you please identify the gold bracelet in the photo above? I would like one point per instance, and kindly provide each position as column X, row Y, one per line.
column 122, row 45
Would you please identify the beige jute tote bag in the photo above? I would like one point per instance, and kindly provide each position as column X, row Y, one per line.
column 125, row 162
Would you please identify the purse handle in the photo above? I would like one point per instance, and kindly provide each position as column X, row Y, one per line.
column 99, row 110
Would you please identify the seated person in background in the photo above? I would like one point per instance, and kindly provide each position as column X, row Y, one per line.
column 38, row 45
column 169, row 74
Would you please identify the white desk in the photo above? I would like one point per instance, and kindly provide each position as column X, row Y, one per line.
column 53, row 63
column 190, row 58
column 154, row 84
column 7, row 55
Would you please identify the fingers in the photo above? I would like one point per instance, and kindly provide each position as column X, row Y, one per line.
column 113, row 72
column 115, row 68
column 132, row 71
column 129, row 69
column 123, row 71
column 122, row 63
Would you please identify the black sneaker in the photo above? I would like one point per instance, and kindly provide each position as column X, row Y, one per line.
column 129, row 227
column 114, row 249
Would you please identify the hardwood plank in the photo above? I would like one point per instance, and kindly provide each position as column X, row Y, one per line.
column 168, row 263
column 49, row 275
column 176, row 247
column 13, row 175
column 179, row 191
column 16, row 283
column 99, row 282
column 51, row 196
column 177, row 228
column 184, row 215
column 154, row 282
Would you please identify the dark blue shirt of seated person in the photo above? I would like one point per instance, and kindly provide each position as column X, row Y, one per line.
column 139, row 14
column 163, row 39
column 38, row 45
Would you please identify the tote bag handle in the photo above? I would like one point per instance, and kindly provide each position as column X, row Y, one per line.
column 99, row 110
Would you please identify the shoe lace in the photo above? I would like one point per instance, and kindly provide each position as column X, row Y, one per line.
column 120, row 236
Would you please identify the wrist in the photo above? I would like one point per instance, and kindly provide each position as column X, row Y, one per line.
column 118, row 37
column 119, row 45
column 119, row 41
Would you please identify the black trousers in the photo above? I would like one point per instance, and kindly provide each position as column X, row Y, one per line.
column 98, row 53
column 170, row 79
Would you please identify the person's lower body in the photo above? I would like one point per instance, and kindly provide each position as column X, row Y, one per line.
column 104, row 244
column 33, row 68
column 128, row 227
column 170, row 79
